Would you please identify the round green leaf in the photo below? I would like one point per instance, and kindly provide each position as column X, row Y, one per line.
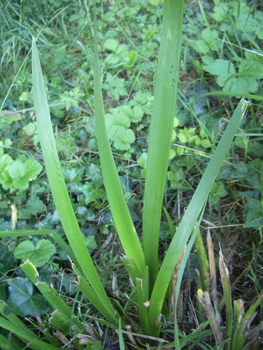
column 111, row 45
column 38, row 255
column 17, row 172
column 33, row 168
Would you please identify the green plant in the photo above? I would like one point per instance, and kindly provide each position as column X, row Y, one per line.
column 238, row 333
column 141, row 263
column 17, row 174
column 237, row 69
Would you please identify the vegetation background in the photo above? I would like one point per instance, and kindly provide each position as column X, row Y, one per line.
column 221, row 62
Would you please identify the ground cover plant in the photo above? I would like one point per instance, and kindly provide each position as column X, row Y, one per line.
column 145, row 310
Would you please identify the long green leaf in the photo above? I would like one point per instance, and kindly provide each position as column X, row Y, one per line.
column 19, row 233
column 120, row 212
column 58, row 186
column 33, row 341
column 161, row 129
column 189, row 219
column 7, row 345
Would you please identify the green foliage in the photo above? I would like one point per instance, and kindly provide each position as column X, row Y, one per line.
column 39, row 255
column 16, row 175
column 6, row 143
column 218, row 191
column 243, row 81
column 118, row 125
column 254, row 213
column 115, row 86
column 120, row 54
column 220, row 51
column 22, row 300
column 237, row 69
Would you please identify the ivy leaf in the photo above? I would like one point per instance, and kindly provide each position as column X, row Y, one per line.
column 82, row 212
column 88, row 193
column 258, row 186
column 255, row 214
column 90, row 242
column 175, row 177
column 73, row 175
column 94, row 172
column 242, row 170
column 22, row 300
column 35, row 206
column 38, row 255
column 218, row 190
